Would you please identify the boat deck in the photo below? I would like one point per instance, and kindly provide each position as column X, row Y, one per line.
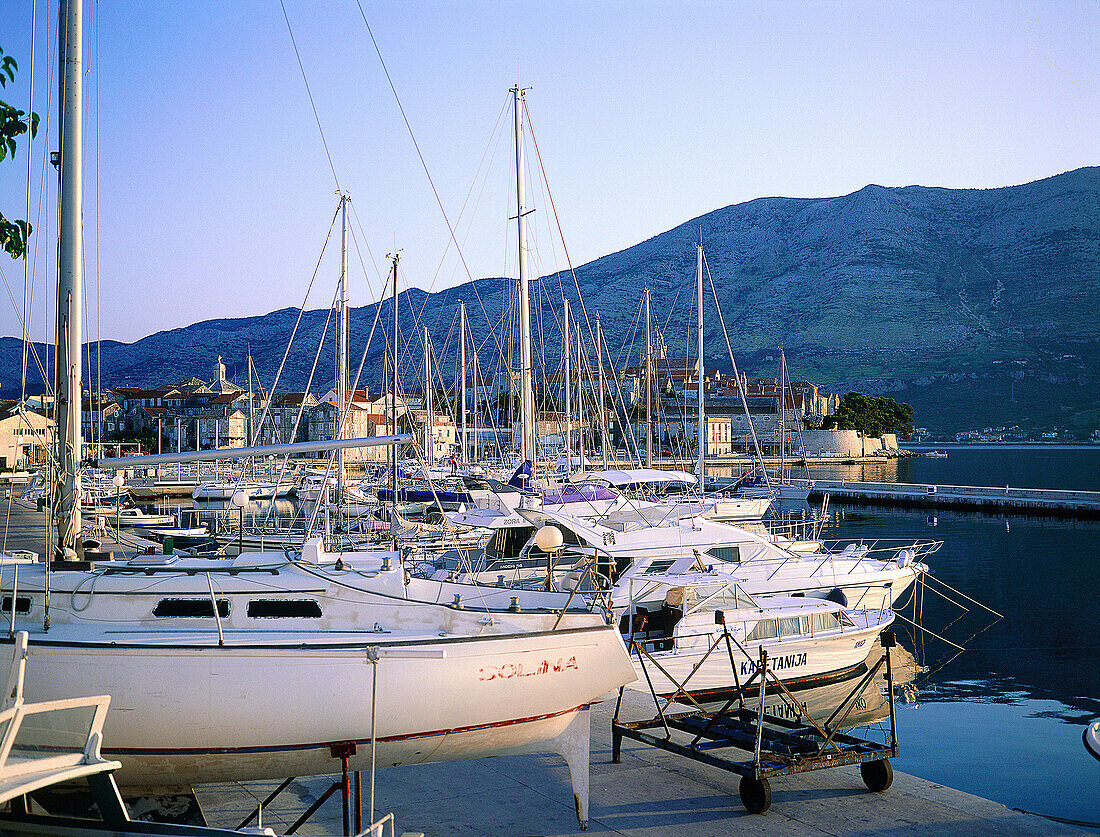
column 651, row 793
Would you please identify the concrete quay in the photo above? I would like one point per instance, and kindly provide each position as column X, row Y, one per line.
column 652, row 793
column 1038, row 501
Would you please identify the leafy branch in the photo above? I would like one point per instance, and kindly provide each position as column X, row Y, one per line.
column 13, row 123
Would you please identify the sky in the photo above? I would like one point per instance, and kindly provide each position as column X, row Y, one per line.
column 210, row 191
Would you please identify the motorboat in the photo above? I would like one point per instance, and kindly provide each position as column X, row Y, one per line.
column 707, row 636
column 633, row 543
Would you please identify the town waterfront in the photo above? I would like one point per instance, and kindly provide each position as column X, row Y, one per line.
column 1003, row 719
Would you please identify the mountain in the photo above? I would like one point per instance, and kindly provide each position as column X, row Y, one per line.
column 976, row 305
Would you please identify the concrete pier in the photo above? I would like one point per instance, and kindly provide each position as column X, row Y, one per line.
column 1040, row 501
column 651, row 793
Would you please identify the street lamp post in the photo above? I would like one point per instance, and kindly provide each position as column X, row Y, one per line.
column 240, row 500
column 117, row 481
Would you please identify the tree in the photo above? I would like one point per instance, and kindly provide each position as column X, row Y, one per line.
column 871, row 416
column 13, row 123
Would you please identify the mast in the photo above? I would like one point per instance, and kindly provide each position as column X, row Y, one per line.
column 527, row 394
column 782, row 414
column 342, row 350
column 568, row 388
column 70, row 274
column 701, row 436
column 393, row 401
column 599, row 367
column 581, row 366
column 429, row 419
column 462, row 387
column 648, row 385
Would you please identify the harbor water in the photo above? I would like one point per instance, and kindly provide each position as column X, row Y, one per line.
column 1003, row 719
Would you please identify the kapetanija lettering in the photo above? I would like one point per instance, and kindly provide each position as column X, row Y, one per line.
column 779, row 663
column 506, row 671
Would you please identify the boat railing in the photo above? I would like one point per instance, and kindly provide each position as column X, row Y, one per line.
column 47, row 737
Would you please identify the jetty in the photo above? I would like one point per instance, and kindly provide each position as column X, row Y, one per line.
column 1000, row 499
column 651, row 792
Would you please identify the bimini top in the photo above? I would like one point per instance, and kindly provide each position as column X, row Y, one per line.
column 637, row 477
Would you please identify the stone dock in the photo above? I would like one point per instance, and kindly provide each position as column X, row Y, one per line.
column 998, row 499
column 651, row 793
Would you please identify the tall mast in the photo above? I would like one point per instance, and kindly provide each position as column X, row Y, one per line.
column 429, row 419
column 527, row 394
column 782, row 411
column 701, row 436
column 342, row 350
column 462, row 371
column 70, row 273
column 568, row 392
column 393, row 400
column 648, row 385
column 599, row 399
column 581, row 368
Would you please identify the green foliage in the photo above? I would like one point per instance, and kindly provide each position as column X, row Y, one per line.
column 13, row 123
column 871, row 416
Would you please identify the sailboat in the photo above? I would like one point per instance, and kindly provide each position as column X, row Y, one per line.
column 268, row 664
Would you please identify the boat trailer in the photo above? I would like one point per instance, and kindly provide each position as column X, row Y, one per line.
column 779, row 746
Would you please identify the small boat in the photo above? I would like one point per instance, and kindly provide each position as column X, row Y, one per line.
column 137, row 517
column 1091, row 738
column 936, row 454
column 680, row 643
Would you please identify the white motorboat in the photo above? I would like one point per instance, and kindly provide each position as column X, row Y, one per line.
column 936, row 454
column 635, row 543
column 807, row 641
column 137, row 517
column 218, row 490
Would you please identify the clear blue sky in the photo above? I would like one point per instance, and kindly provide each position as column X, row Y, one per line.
column 215, row 194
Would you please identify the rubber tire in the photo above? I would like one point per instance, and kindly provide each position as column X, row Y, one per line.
column 756, row 794
column 877, row 775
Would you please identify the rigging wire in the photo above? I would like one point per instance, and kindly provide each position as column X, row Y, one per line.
column 309, row 93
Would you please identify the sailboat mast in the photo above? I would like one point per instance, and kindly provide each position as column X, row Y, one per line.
column 568, row 392
column 70, row 270
column 582, row 365
column 393, row 400
column 701, row 435
column 648, row 384
column 342, row 350
column 782, row 414
column 527, row 394
column 429, row 417
column 599, row 399
column 462, row 372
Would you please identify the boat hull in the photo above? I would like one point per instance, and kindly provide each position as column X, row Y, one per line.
column 207, row 713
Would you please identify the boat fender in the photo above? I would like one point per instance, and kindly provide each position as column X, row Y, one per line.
column 837, row 595
column 905, row 558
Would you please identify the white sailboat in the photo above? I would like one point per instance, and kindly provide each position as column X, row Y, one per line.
column 258, row 666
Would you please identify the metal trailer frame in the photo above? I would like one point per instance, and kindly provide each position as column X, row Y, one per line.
column 779, row 746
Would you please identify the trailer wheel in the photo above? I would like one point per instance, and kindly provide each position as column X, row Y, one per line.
column 756, row 794
column 877, row 775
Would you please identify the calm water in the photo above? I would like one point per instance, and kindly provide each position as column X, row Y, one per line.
column 1003, row 719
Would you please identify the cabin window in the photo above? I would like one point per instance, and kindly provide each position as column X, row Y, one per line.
column 22, row 604
column 825, row 622
column 804, row 624
column 764, row 629
column 190, row 608
column 789, row 626
column 729, row 554
column 284, row 609
column 659, row 566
